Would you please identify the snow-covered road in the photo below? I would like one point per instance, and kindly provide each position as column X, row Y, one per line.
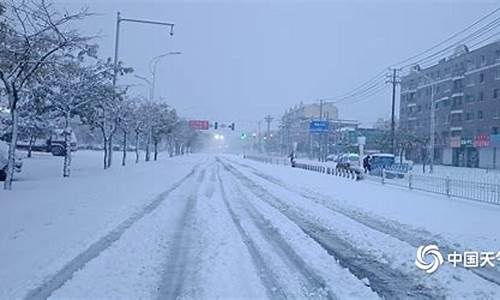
column 224, row 227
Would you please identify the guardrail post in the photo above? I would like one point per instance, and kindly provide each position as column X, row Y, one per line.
column 410, row 178
column 447, row 184
column 383, row 175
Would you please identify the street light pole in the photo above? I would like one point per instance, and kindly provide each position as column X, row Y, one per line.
column 432, row 138
column 433, row 130
column 150, row 84
column 119, row 19
column 152, row 69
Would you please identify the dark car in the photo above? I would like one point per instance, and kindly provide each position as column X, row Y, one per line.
column 4, row 150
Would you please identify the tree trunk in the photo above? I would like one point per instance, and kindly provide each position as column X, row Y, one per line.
column 105, row 149
column 124, row 156
column 30, row 145
column 67, row 147
column 148, row 143
column 110, row 149
column 156, row 150
column 12, row 146
column 137, row 147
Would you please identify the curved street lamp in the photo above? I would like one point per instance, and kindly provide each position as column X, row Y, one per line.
column 152, row 68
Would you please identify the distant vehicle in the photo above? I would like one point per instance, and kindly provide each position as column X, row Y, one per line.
column 54, row 144
column 349, row 161
column 4, row 150
column 387, row 161
column 381, row 161
column 331, row 157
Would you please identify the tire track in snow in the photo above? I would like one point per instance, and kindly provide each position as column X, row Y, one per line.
column 58, row 279
column 268, row 278
column 174, row 276
column 314, row 284
column 402, row 232
column 386, row 281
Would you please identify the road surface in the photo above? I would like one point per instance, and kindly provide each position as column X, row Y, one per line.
column 229, row 228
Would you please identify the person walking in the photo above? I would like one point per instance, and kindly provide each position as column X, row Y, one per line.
column 366, row 164
column 292, row 159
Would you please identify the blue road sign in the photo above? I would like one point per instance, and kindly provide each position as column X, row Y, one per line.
column 318, row 126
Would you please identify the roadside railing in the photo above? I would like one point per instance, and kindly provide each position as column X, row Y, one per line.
column 465, row 189
column 348, row 174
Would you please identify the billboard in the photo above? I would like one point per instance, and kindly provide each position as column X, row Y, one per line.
column 198, row 124
column 318, row 126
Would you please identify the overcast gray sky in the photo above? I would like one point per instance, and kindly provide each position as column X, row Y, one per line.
column 243, row 60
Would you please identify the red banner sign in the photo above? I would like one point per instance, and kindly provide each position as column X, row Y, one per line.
column 482, row 140
column 198, row 124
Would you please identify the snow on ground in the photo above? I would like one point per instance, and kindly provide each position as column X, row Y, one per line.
column 469, row 223
column 463, row 173
column 223, row 227
column 47, row 220
column 389, row 223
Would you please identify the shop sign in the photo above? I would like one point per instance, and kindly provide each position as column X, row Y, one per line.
column 466, row 142
column 454, row 142
column 482, row 141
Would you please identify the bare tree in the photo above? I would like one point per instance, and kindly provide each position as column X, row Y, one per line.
column 32, row 33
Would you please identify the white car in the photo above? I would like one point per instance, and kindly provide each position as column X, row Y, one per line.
column 4, row 154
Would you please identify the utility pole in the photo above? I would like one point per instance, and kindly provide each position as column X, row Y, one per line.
column 394, row 81
column 268, row 120
column 260, row 139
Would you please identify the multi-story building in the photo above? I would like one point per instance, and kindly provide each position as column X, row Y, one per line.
column 295, row 127
column 466, row 95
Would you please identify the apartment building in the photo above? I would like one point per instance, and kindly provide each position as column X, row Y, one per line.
column 465, row 92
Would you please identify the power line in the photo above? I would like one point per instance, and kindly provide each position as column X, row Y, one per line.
column 448, row 39
column 374, row 82
column 472, row 36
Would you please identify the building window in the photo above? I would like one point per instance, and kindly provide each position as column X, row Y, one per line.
column 480, row 97
column 496, row 93
column 494, row 130
column 469, row 98
column 483, row 60
column 457, row 83
column 470, row 81
column 480, row 115
column 481, row 78
column 497, row 73
column 497, row 54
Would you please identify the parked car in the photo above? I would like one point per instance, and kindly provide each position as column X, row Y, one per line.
column 331, row 157
column 348, row 161
column 4, row 154
column 54, row 144
column 380, row 161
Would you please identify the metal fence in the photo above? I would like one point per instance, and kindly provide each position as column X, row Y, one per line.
column 488, row 192
column 466, row 189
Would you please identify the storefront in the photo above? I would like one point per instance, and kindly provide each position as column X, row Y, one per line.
column 489, row 151
column 463, row 152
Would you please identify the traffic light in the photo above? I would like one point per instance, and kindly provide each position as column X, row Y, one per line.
column 216, row 125
column 231, row 126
